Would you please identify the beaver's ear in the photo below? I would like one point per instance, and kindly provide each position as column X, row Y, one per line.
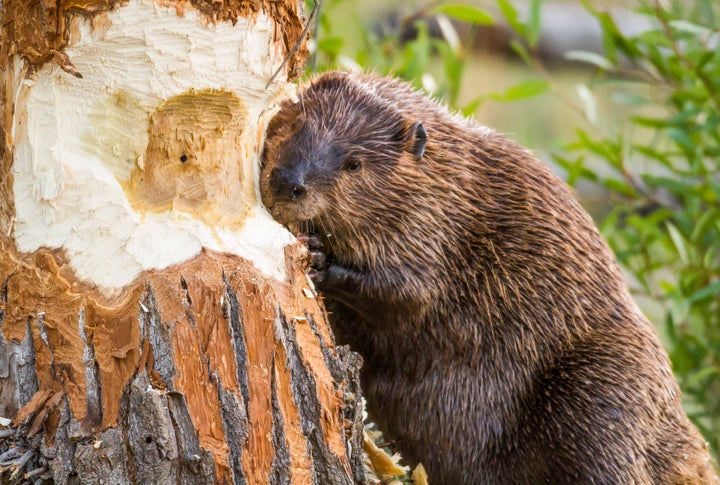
column 417, row 139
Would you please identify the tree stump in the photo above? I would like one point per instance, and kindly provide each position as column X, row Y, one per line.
column 156, row 324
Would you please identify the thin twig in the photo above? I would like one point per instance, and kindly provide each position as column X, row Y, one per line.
column 10, row 454
column 35, row 472
column 316, row 33
column 21, row 462
column 316, row 7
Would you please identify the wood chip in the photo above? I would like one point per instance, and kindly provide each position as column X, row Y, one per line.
column 419, row 476
column 383, row 463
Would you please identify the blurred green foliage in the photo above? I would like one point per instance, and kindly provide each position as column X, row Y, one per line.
column 659, row 164
column 664, row 181
column 665, row 223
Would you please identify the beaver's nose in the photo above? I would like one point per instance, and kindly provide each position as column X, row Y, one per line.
column 287, row 184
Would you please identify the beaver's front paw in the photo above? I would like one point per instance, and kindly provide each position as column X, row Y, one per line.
column 316, row 257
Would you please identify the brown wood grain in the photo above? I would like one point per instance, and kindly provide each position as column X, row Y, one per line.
column 189, row 300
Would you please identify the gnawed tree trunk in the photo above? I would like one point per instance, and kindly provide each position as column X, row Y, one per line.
column 157, row 326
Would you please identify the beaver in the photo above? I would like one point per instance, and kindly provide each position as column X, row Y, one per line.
column 501, row 344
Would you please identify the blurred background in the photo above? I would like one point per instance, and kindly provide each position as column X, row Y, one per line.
column 621, row 98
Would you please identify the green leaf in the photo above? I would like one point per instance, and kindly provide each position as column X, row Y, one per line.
column 711, row 255
column 707, row 292
column 472, row 106
column 619, row 186
column 649, row 122
column 685, row 26
column 680, row 311
column 604, row 148
column 655, row 38
column 646, row 226
column 613, row 39
column 678, row 241
column 704, row 59
column 511, row 15
column 453, row 69
column 466, row 13
column 715, row 188
column 650, row 152
column 533, row 23
column 698, row 377
column 521, row 51
column 416, row 55
column 524, row 89
column 673, row 185
column 703, row 224
column 681, row 137
column 576, row 169
column 630, row 99
column 589, row 105
column 590, row 58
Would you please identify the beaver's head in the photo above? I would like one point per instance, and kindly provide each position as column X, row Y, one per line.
column 331, row 161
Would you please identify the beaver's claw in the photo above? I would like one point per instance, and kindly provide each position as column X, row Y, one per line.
column 316, row 257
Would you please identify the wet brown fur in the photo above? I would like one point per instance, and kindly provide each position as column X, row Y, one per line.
column 501, row 345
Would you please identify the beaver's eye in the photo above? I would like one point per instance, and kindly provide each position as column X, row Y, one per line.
column 353, row 166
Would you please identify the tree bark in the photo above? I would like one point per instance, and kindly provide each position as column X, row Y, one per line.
column 156, row 325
